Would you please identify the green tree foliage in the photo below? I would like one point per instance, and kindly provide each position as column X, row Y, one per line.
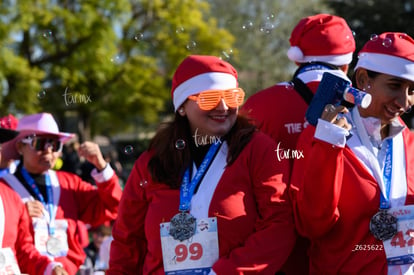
column 107, row 64
column 103, row 62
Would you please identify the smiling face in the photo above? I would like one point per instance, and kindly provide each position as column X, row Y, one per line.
column 391, row 96
column 214, row 123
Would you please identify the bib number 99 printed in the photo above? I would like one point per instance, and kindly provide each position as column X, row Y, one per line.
column 196, row 254
column 193, row 252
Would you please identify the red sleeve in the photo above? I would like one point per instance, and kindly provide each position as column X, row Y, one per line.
column 128, row 247
column 96, row 204
column 265, row 250
column 315, row 185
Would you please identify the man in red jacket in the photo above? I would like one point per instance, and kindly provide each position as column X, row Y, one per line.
column 17, row 252
column 319, row 43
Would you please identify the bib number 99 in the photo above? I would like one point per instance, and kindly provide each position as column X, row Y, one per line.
column 194, row 251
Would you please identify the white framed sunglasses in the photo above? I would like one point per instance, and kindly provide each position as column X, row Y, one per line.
column 40, row 143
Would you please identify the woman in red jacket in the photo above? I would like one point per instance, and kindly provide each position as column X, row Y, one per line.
column 209, row 195
column 354, row 191
column 17, row 252
column 58, row 200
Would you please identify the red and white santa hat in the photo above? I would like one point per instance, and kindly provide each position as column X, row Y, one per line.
column 322, row 37
column 389, row 53
column 198, row 73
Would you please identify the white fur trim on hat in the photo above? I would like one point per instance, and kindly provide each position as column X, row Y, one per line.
column 203, row 82
column 386, row 64
column 337, row 60
column 295, row 53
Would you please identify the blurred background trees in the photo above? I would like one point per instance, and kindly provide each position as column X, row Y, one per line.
column 104, row 67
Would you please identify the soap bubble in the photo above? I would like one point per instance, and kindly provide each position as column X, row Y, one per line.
column 129, row 149
column 180, row 144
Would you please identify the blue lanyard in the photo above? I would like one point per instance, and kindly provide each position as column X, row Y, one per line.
column 387, row 174
column 187, row 187
column 312, row 67
column 49, row 193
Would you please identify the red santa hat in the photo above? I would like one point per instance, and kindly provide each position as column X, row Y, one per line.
column 389, row 53
column 198, row 73
column 322, row 37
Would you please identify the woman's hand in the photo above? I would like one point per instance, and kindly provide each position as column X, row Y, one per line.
column 91, row 152
column 58, row 270
column 35, row 209
column 331, row 114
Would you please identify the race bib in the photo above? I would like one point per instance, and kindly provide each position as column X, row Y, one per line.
column 400, row 248
column 8, row 263
column 194, row 255
column 52, row 246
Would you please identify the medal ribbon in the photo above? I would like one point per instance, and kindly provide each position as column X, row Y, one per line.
column 372, row 159
column 187, row 187
column 313, row 67
column 387, row 174
column 49, row 193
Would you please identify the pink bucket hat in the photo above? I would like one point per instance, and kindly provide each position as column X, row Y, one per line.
column 42, row 123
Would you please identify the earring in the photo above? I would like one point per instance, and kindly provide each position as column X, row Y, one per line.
column 181, row 110
column 367, row 88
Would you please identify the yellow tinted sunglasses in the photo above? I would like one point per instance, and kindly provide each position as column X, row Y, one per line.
column 208, row 100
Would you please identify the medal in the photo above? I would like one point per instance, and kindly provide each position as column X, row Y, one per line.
column 53, row 246
column 182, row 226
column 383, row 225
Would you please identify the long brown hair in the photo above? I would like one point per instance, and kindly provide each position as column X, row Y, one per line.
column 167, row 165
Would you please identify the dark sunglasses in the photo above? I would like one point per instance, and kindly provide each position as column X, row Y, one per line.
column 43, row 143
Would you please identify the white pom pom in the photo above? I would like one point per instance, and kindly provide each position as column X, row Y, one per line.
column 295, row 54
